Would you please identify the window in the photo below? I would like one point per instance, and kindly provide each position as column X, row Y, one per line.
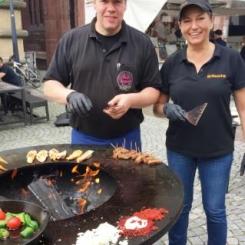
column 35, row 8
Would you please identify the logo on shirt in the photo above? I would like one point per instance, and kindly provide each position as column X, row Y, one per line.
column 125, row 80
column 216, row 76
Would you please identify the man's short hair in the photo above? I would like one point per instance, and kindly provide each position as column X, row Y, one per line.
column 1, row 59
column 218, row 32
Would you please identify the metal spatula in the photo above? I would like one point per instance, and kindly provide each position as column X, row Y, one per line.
column 193, row 116
column 48, row 196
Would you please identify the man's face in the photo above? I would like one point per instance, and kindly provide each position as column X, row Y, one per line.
column 109, row 16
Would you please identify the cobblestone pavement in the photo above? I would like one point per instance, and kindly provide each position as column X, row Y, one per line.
column 153, row 137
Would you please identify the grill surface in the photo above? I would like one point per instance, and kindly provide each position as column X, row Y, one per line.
column 128, row 187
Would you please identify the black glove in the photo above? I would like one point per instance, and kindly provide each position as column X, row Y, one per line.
column 174, row 112
column 78, row 103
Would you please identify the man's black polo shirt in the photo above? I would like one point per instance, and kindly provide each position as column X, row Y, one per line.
column 214, row 83
column 129, row 66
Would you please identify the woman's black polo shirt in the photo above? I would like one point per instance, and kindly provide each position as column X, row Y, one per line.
column 214, row 84
column 129, row 66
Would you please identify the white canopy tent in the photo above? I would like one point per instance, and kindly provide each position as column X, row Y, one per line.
column 139, row 13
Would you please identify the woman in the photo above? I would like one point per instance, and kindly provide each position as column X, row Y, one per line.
column 201, row 73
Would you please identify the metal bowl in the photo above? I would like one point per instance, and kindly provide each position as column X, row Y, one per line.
column 37, row 212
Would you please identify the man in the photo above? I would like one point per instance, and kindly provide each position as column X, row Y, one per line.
column 218, row 37
column 113, row 72
column 8, row 75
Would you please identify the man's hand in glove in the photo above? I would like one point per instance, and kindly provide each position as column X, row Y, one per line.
column 174, row 112
column 79, row 104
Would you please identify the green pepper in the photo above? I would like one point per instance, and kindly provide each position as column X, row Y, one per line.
column 29, row 222
column 34, row 225
column 27, row 232
column 3, row 223
column 4, row 233
column 8, row 216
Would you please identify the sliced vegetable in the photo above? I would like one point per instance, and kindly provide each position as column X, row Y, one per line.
column 31, row 223
column 13, row 223
column 27, row 232
column 2, row 215
column 21, row 216
column 8, row 216
column 27, row 219
column 4, row 234
column 34, row 225
column 3, row 223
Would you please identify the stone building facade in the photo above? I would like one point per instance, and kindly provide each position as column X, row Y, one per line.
column 6, row 47
column 46, row 21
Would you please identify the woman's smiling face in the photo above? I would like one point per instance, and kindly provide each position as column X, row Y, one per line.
column 195, row 25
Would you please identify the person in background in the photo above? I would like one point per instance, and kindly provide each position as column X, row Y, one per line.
column 242, row 52
column 162, row 32
column 8, row 75
column 218, row 37
column 113, row 72
column 203, row 72
column 211, row 36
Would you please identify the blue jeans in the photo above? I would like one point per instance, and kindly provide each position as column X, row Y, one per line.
column 131, row 140
column 214, row 177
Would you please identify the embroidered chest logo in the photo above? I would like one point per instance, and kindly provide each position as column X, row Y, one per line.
column 216, row 76
column 125, row 80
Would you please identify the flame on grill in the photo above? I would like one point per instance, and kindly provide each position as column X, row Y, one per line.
column 14, row 173
column 82, row 203
column 82, row 179
column 75, row 170
column 85, row 186
column 86, row 181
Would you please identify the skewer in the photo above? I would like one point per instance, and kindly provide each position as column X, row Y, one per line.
column 136, row 148
column 113, row 146
column 124, row 142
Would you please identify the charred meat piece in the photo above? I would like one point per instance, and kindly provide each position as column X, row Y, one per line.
column 86, row 155
column 42, row 156
column 138, row 157
column 74, row 155
column 31, row 155
column 61, row 155
column 53, row 154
